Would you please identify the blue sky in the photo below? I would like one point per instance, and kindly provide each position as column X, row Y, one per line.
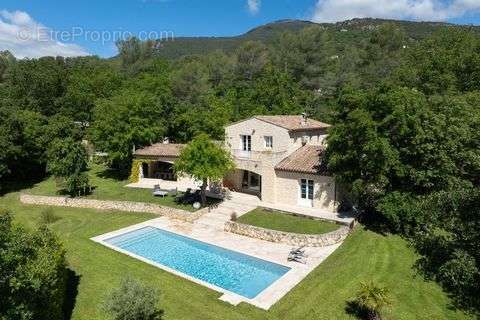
column 191, row 18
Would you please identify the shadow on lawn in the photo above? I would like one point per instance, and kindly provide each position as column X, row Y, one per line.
column 18, row 185
column 73, row 281
column 65, row 193
column 115, row 174
column 352, row 308
column 375, row 222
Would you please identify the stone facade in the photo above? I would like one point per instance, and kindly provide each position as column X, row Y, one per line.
column 294, row 239
column 277, row 187
column 288, row 188
column 127, row 206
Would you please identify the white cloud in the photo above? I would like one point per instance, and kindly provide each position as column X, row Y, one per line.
column 431, row 10
column 254, row 6
column 26, row 38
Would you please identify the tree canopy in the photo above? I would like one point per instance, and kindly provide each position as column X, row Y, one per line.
column 408, row 154
column 204, row 160
column 32, row 272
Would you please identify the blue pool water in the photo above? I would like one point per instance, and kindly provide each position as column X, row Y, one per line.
column 230, row 270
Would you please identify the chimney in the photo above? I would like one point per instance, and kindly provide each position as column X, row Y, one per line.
column 304, row 119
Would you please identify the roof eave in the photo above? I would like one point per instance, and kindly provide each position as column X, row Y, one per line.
column 308, row 129
column 323, row 174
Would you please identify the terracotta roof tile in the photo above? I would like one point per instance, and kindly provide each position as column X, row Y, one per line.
column 161, row 150
column 307, row 159
column 294, row 123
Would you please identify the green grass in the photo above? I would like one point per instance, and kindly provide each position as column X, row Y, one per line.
column 323, row 294
column 109, row 187
column 280, row 221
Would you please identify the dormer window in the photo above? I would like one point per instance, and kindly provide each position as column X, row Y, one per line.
column 268, row 142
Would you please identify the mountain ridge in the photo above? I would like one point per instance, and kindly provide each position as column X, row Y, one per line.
column 182, row 46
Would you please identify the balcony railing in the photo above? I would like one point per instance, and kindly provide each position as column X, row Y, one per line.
column 243, row 154
column 258, row 155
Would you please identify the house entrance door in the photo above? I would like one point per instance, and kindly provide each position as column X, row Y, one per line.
column 252, row 182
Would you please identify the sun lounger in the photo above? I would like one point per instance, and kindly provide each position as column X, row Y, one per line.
column 298, row 251
column 297, row 258
column 159, row 192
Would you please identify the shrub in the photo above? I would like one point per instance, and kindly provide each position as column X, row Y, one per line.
column 373, row 299
column 133, row 301
column 78, row 184
column 48, row 216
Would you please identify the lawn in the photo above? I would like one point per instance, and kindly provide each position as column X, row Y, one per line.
column 280, row 221
column 108, row 186
column 323, row 294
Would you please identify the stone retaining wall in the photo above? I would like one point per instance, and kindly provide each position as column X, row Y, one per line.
column 294, row 239
column 127, row 206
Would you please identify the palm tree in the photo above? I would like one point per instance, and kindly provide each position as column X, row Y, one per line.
column 373, row 298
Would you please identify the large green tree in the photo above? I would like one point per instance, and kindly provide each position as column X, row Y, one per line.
column 37, row 84
column 67, row 161
column 128, row 120
column 88, row 80
column 204, row 160
column 32, row 273
column 412, row 161
column 22, row 145
column 209, row 115
column 395, row 139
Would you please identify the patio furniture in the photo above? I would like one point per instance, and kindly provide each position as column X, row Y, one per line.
column 183, row 198
column 298, row 251
column 297, row 258
column 192, row 197
column 159, row 192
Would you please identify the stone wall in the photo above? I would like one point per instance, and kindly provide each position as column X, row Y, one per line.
column 127, row 206
column 294, row 239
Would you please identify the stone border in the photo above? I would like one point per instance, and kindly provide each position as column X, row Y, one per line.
column 126, row 206
column 294, row 239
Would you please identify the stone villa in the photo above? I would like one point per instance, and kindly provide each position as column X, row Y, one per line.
column 278, row 158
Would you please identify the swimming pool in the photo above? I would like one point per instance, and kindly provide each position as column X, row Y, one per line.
column 236, row 272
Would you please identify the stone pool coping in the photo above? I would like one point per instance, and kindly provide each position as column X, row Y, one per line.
column 272, row 252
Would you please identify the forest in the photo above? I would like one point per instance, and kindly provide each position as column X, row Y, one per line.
column 405, row 110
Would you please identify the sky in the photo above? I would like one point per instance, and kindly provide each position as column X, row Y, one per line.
column 33, row 28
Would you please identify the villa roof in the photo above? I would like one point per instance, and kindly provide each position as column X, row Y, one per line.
column 307, row 159
column 294, row 123
column 161, row 150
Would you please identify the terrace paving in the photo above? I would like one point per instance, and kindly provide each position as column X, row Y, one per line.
column 240, row 201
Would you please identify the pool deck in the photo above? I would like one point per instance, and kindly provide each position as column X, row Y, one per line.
column 209, row 229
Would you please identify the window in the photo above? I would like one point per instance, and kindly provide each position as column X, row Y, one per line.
column 268, row 142
column 246, row 143
column 306, row 191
